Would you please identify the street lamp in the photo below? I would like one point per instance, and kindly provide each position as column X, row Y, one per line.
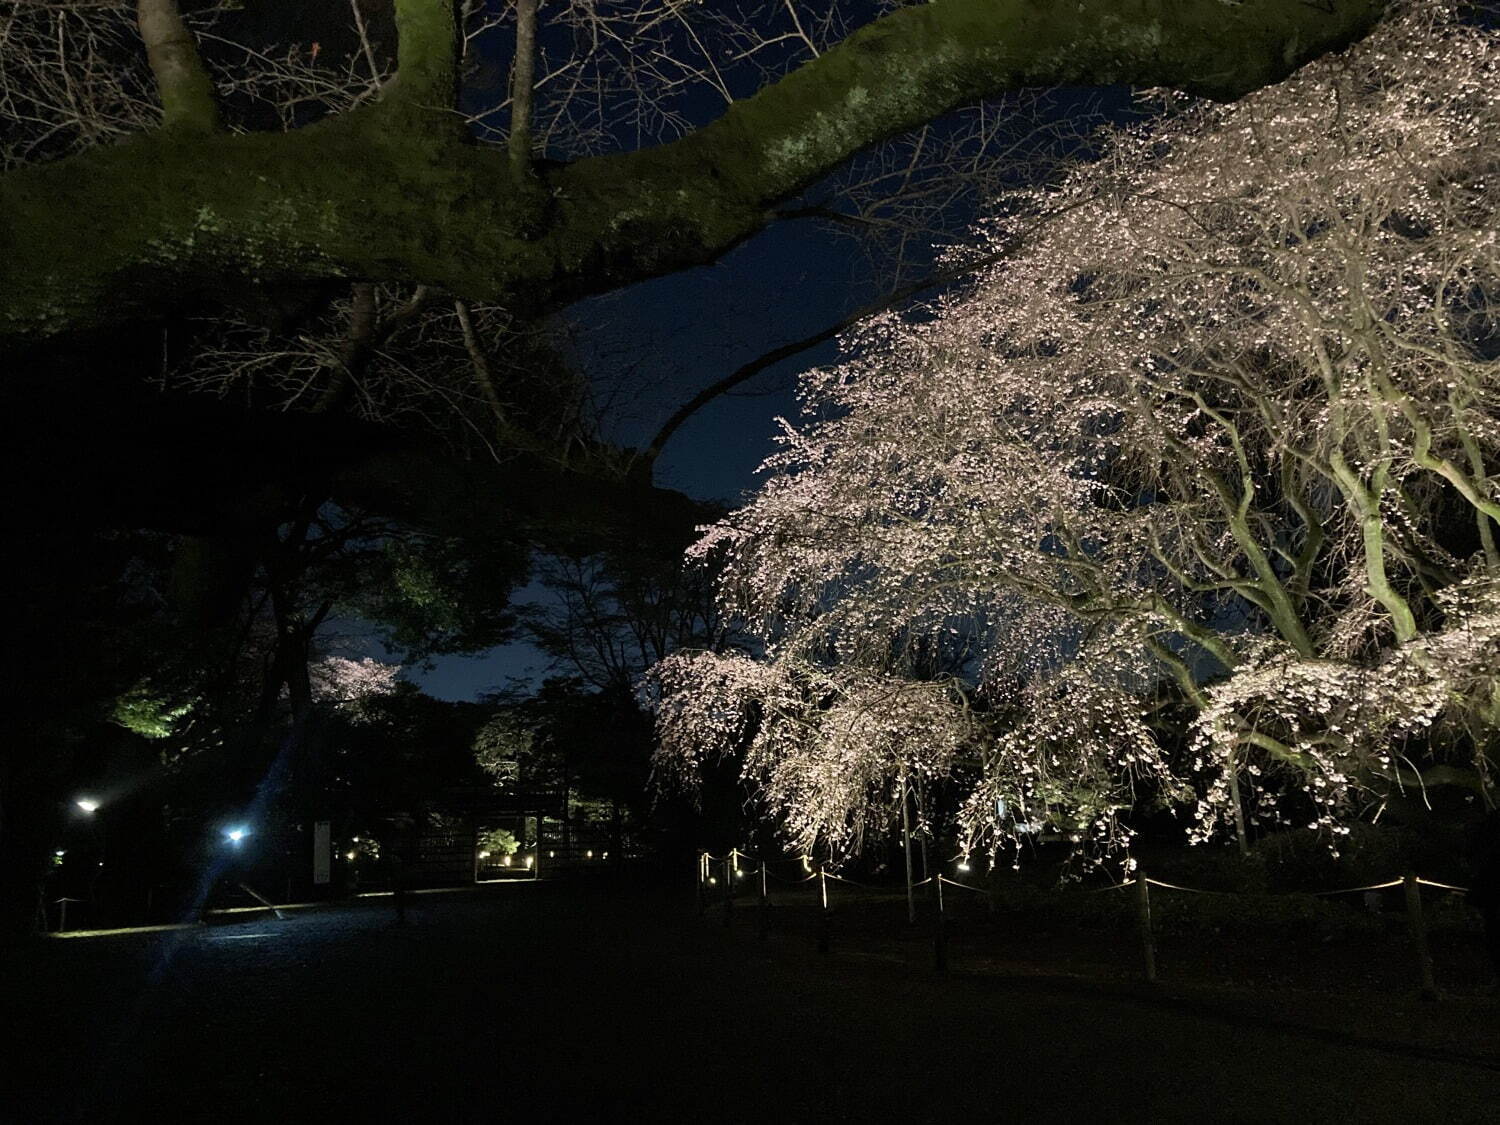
column 236, row 834
column 87, row 804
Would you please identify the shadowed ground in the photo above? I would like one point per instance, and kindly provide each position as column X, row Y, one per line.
column 567, row 1003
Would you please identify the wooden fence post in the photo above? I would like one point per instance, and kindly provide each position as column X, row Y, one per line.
column 765, row 904
column 729, row 888
column 825, row 923
column 1418, row 929
column 1143, row 917
column 940, row 927
column 911, row 898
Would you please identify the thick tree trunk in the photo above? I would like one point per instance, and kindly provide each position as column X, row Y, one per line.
column 394, row 191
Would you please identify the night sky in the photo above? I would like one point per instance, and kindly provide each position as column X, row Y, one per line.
column 682, row 332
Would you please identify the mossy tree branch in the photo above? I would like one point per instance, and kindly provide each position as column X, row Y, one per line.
column 388, row 192
column 426, row 54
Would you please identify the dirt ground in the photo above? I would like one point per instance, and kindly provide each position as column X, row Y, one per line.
column 559, row 1002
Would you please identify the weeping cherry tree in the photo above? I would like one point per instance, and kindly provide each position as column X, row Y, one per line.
column 1190, row 499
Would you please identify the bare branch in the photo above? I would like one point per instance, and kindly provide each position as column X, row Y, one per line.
column 522, row 87
column 187, row 95
column 483, row 378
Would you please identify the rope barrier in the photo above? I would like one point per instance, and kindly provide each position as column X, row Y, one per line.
column 1190, row 890
column 1142, row 882
column 965, row 886
column 737, row 854
column 750, row 858
column 1354, row 890
column 793, row 882
column 1443, row 886
column 851, row 882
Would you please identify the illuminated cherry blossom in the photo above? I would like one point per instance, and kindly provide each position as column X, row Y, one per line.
column 1222, row 432
column 347, row 683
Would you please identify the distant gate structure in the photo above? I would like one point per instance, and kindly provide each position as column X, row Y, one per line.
column 448, row 851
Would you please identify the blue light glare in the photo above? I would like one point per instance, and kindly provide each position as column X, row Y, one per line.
column 236, row 834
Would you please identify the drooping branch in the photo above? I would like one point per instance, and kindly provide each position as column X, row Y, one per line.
column 187, row 94
column 149, row 225
column 747, row 371
column 484, row 378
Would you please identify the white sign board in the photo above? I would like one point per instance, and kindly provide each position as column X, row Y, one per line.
column 322, row 853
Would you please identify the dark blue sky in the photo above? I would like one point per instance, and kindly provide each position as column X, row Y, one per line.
column 665, row 339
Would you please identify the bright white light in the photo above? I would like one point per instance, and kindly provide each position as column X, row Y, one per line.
column 963, row 866
column 349, row 855
column 236, row 834
column 590, row 853
column 59, row 852
column 528, row 863
column 356, row 839
column 484, row 855
column 504, row 860
column 87, row 804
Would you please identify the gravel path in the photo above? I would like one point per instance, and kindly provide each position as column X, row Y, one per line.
column 550, row 1002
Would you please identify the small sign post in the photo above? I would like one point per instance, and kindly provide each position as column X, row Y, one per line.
column 322, row 854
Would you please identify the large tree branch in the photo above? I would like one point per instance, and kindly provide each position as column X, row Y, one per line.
column 390, row 191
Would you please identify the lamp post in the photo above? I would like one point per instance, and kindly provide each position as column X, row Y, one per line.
column 89, row 807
